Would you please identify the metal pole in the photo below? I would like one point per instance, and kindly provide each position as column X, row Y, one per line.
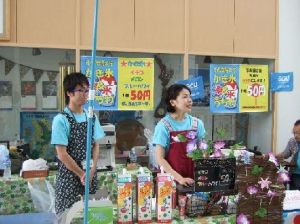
column 90, row 117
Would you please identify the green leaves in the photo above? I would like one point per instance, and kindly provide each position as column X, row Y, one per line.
column 261, row 212
column 237, row 146
column 220, row 133
column 231, row 154
column 196, row 154
column 181, row 138
column 257, row 170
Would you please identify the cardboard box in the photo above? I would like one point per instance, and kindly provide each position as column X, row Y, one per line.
column 164, row 198
column 35, row 173
column 144, row 198
column 124, row 203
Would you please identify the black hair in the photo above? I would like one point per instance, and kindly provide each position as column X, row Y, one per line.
column 172, row 93
column 71, row 81
column 297, row 123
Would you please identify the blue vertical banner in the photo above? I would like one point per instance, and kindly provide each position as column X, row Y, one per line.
column 196, row 86
column 282, row 81
column 106, row 80
column 224, row 88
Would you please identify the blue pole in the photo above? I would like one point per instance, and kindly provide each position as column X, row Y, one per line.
column 90, row 117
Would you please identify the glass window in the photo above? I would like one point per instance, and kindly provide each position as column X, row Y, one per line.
column 32, row 77
column 253, row 129
column 172, row 63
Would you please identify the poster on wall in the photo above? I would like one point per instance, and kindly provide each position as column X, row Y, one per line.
column 121, row 83
column 49, row 91
column 239, row 88
column 106, row 80
column 254, row 88
column 224, row 81
column 5, row 94
column 28, row 94
column 282, row 81
column 35, row 129
column 136, row 83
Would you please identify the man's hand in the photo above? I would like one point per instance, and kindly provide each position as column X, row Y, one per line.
column 82, row 178
column 92, row 173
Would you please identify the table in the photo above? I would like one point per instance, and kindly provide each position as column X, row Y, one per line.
column 16, row 191
column 218, row 219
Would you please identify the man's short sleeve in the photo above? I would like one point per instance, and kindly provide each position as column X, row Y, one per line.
column 60, row 130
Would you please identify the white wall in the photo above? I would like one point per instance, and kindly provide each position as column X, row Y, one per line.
column 288, row 103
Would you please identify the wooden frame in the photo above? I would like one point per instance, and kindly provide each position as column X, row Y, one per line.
column 4, row 19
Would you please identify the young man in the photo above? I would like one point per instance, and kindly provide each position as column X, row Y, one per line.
column 69, row 135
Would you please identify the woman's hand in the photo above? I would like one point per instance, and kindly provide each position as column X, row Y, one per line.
column 186, row 181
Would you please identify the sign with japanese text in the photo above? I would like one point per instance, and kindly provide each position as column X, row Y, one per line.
column 224, row 81
column 204, row 74
column 196, row 86
column 281, row 81
column 136, row 83
column 106, row 80
column 121, row 83
column 254, row 88
column 239, row 88
column 214, row 174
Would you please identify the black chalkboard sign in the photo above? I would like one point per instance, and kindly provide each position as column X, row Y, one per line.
column 214, row 174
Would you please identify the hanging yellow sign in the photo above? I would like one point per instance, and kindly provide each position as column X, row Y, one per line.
column 254, row 88
column 136, row 82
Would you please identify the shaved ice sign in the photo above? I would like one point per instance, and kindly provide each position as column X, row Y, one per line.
column 224, row 88
column 106, row 79
column 121, row 83
column 238, row 88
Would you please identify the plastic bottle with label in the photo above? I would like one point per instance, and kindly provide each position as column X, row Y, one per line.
column 132, row 156
column 7, row 168
column 152, row 159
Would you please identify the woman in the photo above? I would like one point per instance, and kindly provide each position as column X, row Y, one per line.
column 69, row 135
column 174, row 131
column 292, row 150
